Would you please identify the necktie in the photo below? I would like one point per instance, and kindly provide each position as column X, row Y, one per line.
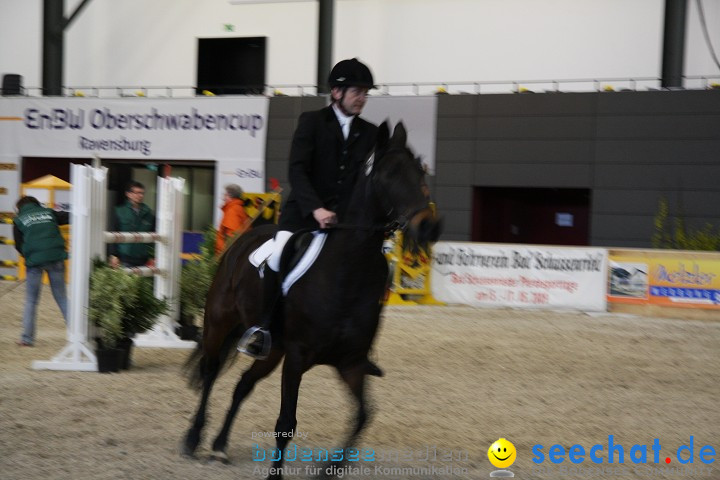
column 346, row 129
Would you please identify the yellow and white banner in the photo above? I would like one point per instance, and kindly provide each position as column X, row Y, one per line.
column 520, row 276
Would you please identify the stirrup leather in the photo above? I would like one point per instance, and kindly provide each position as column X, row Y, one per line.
column 247, row 344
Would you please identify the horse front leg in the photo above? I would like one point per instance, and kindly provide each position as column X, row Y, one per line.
column 257, row 371
column 354, row 378
column 286, row 422
column 211, row 368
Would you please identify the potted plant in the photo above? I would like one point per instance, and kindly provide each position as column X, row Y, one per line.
column 195, row 279
column 121, row 305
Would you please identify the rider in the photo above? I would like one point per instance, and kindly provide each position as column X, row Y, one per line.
column 328, row 149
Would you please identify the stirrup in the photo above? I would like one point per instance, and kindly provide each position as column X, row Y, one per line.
column 255, row 342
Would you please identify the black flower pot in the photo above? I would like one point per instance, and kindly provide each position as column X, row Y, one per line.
column 188, row 332
column 108, row 359
column 125, row 346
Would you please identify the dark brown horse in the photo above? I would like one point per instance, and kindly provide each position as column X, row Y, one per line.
column 331, row 315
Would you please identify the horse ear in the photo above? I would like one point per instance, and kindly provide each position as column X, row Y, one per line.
column 399, row 135
column 383, row 135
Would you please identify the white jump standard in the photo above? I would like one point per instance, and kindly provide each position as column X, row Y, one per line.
column 88, row 220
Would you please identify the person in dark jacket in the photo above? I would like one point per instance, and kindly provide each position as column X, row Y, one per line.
column 328, row 150
column 132, row 216
column 38, row 239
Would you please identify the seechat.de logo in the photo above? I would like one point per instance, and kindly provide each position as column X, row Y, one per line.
column 617, row 453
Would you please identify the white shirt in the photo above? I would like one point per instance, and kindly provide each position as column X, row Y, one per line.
column 345, row 121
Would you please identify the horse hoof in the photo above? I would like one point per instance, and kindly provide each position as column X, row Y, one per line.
column 219, row 456
column 187, row 451
column 190, row 455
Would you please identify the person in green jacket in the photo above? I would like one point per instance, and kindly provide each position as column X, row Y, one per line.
column 38, row 239
column 132, row 216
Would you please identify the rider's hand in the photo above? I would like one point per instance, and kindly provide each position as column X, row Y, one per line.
column 324, row 217
column 114, row 261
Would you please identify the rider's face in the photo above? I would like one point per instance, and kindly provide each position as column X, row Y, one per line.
column 353, row 101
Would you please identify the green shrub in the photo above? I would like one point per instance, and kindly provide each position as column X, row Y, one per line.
column 678, row 236
column 121, row 304
column 197, row 276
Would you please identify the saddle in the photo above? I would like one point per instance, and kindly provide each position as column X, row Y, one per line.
column 293, row 251
column 298, row 254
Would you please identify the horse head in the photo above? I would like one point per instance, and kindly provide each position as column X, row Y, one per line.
column 398, row 177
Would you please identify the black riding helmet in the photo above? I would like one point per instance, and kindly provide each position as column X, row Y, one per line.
column 351, row 73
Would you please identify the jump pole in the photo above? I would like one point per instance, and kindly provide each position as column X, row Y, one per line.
column 77, row 355
column 167, row 254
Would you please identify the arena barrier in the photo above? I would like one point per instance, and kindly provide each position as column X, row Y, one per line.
column 88, row 218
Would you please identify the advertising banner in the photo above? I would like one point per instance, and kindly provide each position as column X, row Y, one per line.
column 665, row 278
column 520, row 276
column 229, row 131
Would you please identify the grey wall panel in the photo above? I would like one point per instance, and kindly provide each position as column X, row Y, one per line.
column 686, row 204
column 533, row 175
column 278, row 170
column 625, row 202
column 457, row 105
column 665, row 177
column 694, row 203
column 287, row 107
column 642, row 151
column 454, row 174
column 634, row 227
column 452, row 198
column 455, row 237
column 536, row 151
column 455, row 128
column 659, row 127
column 536, row 127
column 277, row 148
column 281, row 128
column 629, row 147
column 313, row 103
column 454, row 151
column 547, row 104
column 614, row 242
column 457, row 224
column 664, row 102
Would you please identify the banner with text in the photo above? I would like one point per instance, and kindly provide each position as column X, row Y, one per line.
column 520, row 276
column 666, row 278
column 229, row 131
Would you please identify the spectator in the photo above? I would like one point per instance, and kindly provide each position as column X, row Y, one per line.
column 38, row 239
column 132, row 216
column 235, row 220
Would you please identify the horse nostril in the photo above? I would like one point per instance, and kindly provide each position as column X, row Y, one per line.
column 428, row 231
column 434, row 229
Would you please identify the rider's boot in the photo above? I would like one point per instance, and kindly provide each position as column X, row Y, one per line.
column 256, row 340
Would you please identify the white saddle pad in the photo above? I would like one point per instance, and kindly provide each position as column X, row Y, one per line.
column 263, row 252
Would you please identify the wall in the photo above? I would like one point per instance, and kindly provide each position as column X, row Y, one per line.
column 137, row 42
column 629, row 148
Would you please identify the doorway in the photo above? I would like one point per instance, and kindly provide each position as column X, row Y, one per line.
column 199, row 186
column 548, row 216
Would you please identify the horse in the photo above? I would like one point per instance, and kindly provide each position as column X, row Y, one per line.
column 330, row 316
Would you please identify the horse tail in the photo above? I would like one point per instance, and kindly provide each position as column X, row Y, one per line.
column 199, row 366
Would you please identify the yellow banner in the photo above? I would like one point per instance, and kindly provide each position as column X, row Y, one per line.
column 673, row 279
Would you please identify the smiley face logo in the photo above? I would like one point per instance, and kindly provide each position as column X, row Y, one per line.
column 502, row 453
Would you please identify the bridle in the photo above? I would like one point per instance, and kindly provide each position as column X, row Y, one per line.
column 400, row 222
